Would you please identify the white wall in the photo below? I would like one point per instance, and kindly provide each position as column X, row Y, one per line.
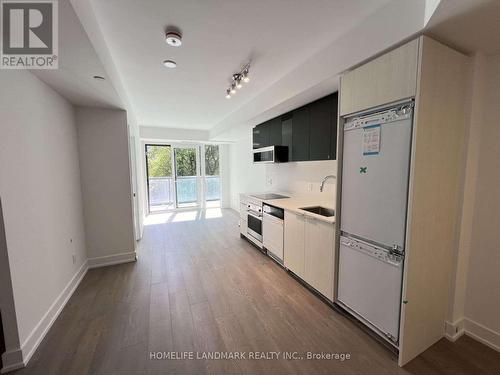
column 225, row 175
column 105, row 169
column 475, row 304
column 41, row 196
column 173, row 134
column 7, row 307
column 482, row 299
column 296, row 178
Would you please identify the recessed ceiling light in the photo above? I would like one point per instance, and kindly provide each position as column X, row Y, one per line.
column 99, row 78
column 174, row 39
column 170, row 63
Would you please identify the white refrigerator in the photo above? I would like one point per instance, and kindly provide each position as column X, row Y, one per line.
column 374, row 196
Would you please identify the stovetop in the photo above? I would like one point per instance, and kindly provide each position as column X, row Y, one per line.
column 267, row 196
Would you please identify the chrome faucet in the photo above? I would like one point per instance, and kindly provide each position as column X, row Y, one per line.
column 324, row 180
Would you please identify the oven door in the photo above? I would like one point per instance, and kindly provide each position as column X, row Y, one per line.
column 254, row 227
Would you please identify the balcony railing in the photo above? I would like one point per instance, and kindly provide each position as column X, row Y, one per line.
column 212, row 189
column 161, row 190
column 186, row 190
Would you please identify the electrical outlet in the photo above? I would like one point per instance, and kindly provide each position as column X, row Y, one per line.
column 269, row 181
column 310, row 186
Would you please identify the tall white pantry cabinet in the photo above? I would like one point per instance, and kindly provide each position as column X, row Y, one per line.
column 436, row 77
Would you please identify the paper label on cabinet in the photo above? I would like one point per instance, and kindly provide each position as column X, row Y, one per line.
column 371, row 140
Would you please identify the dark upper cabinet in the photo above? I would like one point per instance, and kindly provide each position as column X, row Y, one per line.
column 275, row 132
column 256, row 137
column 261, row 135
column 300, row 134
column 333, row 137
column 310, row 132
column 320, row 126
column 286, row 129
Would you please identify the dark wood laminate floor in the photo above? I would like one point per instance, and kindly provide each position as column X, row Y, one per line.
column 198, row 287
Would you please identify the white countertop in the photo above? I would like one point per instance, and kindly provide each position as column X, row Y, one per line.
column 294, row 204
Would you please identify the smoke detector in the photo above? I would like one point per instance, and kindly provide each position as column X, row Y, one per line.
column 174, row 39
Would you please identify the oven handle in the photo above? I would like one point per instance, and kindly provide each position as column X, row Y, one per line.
column 258, row 217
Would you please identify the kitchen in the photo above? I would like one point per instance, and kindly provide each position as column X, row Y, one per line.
column 344, row 223
column 252, row 187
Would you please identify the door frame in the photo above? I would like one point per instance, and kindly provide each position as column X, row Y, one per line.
column 135, row 187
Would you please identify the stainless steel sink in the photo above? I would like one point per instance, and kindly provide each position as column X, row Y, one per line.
column 323, row 211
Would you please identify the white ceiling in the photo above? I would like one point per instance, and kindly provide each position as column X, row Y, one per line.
column 78, row 64
column 297, row 49
column 218, row 38
column 470, row 26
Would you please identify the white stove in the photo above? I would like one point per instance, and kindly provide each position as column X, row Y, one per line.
column 254, row 215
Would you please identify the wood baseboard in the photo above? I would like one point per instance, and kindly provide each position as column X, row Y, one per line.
column 12, row 360
column 482, row 334
column 454, row 330
column 466, row 326
column 19, row 358
column 110, row 260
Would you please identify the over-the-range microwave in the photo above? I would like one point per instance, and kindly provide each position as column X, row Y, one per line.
column 271, row 154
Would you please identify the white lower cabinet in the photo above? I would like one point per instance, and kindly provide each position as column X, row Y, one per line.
column 319, row 255
column 294, row 254
column 243, row 227
column 243, row 218
column 309, row 251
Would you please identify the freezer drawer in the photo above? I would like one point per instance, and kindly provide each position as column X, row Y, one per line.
column 375, row 177
column 369, row 284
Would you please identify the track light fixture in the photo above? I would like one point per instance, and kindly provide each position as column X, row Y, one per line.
column 237, row 80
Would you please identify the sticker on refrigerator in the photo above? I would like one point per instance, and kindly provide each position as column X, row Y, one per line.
column 371, row 140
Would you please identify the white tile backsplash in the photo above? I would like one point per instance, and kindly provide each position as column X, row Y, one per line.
column 295, row 178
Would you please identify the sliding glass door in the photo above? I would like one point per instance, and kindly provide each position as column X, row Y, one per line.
column 212, row 176
column 186, row 176
column 160, row 180
column 181, row 176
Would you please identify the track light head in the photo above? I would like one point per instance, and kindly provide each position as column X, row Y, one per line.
column 237, row 81
column 246, row 78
